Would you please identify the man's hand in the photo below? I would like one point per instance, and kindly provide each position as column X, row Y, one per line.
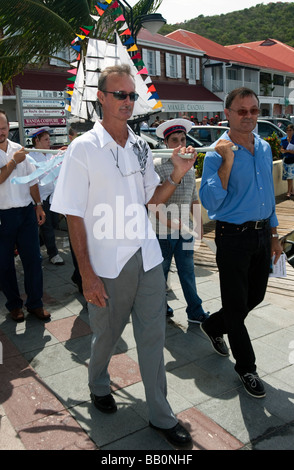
column 40, row 214
column 276, row 249
column 224, row 149
column 94, row 290
column 182, row 165
column 20, row 155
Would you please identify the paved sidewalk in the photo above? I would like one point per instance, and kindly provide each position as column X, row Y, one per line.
column 44, row 397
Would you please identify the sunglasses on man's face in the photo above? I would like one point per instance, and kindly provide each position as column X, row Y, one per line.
column 244, row 112
column 121, row 95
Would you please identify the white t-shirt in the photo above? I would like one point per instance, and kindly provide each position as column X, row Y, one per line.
column 15, row 195
column 108, row 186
column 47, row 189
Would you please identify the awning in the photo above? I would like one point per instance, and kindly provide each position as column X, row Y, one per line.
column 183, row 98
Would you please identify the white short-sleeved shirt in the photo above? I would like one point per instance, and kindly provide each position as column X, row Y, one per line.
column 47, row 189
column 15, row 195
column 108, row 186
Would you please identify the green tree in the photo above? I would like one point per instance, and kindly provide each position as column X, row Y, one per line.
column 32, row 31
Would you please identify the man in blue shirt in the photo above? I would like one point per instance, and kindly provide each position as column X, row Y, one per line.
column 238, row 192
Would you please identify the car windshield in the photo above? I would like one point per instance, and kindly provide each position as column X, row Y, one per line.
column 207, row 135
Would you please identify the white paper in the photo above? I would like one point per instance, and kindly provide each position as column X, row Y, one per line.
column 279, row 269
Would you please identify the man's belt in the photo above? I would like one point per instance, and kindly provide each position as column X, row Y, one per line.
column 252, row 224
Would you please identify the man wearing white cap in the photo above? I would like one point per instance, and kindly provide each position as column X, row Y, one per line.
column 41, row 140
column 185, row 202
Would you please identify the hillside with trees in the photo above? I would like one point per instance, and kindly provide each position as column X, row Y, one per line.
column 274, row 20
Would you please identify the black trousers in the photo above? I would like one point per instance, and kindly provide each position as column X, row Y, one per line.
column 243, row 258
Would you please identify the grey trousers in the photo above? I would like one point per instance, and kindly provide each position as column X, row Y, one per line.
column 141, row 294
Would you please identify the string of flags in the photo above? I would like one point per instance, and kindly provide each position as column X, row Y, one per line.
column 129, row 43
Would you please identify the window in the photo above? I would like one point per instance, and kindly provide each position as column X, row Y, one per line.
column 173, row 63
column 234, row 74
column 152, row 61
column 278, row 80
column 65, row 54
column 192, row 69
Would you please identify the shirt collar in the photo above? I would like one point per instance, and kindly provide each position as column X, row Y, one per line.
column 105, row 138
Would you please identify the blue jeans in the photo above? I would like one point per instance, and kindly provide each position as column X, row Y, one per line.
column 18, row 227
column 183, row 251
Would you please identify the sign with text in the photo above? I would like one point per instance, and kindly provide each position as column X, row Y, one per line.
column 42, row 108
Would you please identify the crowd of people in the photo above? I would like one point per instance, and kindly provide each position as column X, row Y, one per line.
column 205, row 121
column 123, row 268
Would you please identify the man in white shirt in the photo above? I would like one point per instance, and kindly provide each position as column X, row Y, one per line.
column 106, row 180
column 41, row 140
column 19, row 227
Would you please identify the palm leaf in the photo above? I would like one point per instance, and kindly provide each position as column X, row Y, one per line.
column 34, row 30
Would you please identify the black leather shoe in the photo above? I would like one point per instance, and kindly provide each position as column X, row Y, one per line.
column 217, row 342
column 169, row 311
column 177, row 435
column 105, row 404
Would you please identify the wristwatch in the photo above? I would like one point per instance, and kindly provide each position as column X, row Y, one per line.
column 171, row 181
column 38, row 204
column 275, row 235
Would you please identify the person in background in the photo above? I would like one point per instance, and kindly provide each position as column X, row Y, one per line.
column 121, row 269
column 21, row 212
column 287, row 150
column 237, row 190
column 72, row 133
column 185, row 201
column 41, row 140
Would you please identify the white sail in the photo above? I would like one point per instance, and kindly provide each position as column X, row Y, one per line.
column 100, row 55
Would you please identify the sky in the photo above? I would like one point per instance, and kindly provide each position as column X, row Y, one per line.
column 177, row 11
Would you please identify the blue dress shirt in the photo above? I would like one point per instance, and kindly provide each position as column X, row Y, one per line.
column 250, row 193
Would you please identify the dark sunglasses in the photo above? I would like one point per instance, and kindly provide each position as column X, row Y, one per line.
column 244, row 112
column 121, row 95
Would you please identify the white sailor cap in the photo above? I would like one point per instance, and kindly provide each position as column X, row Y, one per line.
column 173, row 125
column 39, row 130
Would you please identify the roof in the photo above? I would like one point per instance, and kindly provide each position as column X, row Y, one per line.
column 256, row 57
column 270, row 54
column 211, row 48
column 165, row 41
column 273, row 49
column 183, row 92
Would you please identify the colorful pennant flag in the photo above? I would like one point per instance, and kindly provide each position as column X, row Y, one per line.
column 127, row 32
column 133, row 48
column 120, row 18
column 101, row 5
column 143, row 71
column 100, row 12
column 114, row 5
column 129, row 41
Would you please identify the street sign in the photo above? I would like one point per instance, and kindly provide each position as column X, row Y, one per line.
column 44, row 112
column 43, row 103
column 40, row 122
column 43, row 94
column 39, row 108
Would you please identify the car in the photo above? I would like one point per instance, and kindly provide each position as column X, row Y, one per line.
column 149, row 134
column 207, row 135
column 14, row 132
column 264, row 128
column 282, row 123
